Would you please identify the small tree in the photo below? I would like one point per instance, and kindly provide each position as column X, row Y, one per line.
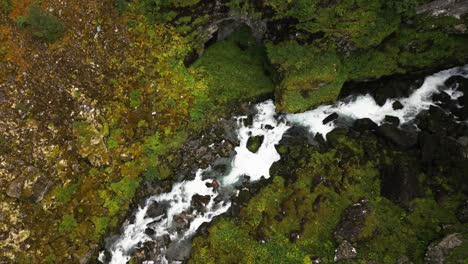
column 43, row 25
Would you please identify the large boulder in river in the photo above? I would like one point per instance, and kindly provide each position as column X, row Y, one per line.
column 401, row 138
column 254, row 143
column 200, row 201
column 364, row 124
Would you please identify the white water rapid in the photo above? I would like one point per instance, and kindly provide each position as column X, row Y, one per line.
column 272, row 126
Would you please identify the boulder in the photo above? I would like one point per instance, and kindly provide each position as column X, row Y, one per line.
column 397, row 105
column 345, row 251
column 364, row 124
column 200, row 201
column 392, row 120
column 155, row 210
column 329, row 118
column 399, row 183
column 15, row 188
column 394, row 87
column 254, row 143
column 403, row 139
column 352, row 222
column 438, row 251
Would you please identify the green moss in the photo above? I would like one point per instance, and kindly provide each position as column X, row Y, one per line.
column 68, row 224
column 135, row 98
column 125, row 188
column 234, row 71
column 64, row 194
column 310, row 75
column 100, row 226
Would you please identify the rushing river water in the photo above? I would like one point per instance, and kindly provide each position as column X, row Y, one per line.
column 177, row 205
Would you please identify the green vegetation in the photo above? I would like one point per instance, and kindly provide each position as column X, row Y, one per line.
column 68, row 224
column 44, row 26
column 234, row 70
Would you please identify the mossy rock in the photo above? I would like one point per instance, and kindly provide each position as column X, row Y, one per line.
column 254, row 143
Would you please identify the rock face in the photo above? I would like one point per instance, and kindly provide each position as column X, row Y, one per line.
column 444, row 8
column 401, row 138
column 399, row 183
column 352, row 222
column 438, row 251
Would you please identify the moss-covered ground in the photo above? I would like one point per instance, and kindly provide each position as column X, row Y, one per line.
column 293, row 219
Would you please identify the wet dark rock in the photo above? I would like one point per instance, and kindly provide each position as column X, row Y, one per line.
column 182, row 221
column 399, row 183
column 149, row 231
column 392, row 120
column 320, row 139
column 234, row 210
column 441, row 97
column 397, row 105
column 345, row 251
column 330, row 118
column 203, row 229
column 248, row 121
column 15, row 188
column 352, row 222
column 438, row 251
column 394, row 87
column 437, row 121
column 462, row 213
column 403, row 139
column 200, row 201
column 155, row 210
column 254, row 143
column 364, row 124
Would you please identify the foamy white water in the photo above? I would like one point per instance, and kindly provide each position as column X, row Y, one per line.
column 256, row 165
column 364, row 106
